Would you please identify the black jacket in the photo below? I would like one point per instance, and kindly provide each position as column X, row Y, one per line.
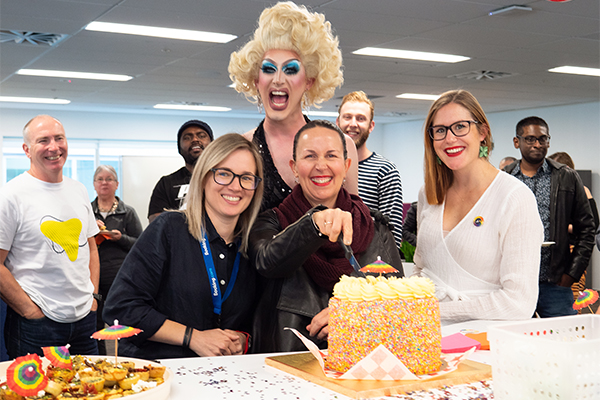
column 289, row 297
column 164, row 277
column 112, row 253
column 568, row 205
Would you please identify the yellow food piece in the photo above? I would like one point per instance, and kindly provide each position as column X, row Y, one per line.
column 156, row 371
column 92, row 384
column 60, row 374
column 114, row 374
column 128, row 382
column 144, row 374
column 53, row 388
column 128, row 364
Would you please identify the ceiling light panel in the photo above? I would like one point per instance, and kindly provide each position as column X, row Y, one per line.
column 167, row 33
column 410, row 55
column 417, row 96
column 74, row 75
column 39, row 100
column 576, row 70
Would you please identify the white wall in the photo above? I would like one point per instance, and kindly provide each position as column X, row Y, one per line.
column 139, row 176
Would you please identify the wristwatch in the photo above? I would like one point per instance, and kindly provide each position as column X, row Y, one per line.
column 97, row 296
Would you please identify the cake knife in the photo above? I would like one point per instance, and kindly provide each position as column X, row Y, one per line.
column 350, row 256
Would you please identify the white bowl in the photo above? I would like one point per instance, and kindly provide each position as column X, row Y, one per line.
column 161, row 392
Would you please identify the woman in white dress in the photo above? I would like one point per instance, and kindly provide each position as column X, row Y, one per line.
column 480, row 233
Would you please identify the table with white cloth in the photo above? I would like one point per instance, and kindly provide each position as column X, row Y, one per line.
column 247, row 376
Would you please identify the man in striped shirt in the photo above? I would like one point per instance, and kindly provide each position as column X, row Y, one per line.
column 379, row 183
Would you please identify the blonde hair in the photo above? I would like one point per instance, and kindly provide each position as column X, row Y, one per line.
column 286, row 26
column 108, row 168
column 438, row 177
column 213, row 155
column 359, row 97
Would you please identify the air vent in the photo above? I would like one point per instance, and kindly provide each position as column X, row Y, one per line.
column 36, row 38
column 482, row 75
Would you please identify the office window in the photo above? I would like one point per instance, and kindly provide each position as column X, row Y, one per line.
column 78, row 167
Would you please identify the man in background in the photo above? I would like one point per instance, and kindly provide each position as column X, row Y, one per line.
column 49, row 268
column 561, row 202
column 170, row 191
column 505, row 162
column 379, row 183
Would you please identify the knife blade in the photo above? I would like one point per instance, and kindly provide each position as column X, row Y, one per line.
column 350, row 256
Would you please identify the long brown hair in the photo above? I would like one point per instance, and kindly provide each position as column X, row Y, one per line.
column 438, row 177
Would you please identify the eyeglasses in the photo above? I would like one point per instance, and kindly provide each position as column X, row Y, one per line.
column 224, row 177
column 107, row 180
column 458, row 129
column 187, row 137
column 530, row 140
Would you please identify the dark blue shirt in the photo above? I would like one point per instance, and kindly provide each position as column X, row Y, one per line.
column 540, row 186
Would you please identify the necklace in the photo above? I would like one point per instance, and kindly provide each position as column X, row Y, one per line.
column 110, row 210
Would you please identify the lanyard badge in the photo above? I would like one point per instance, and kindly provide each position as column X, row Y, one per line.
column 213, row 281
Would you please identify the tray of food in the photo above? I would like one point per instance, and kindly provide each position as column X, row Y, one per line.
column 98, row 378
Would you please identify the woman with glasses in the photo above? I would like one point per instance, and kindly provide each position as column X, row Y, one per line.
column 187, row 282
column 294, row 246
column 480, row 233
column 119, row 229
column 293, row 61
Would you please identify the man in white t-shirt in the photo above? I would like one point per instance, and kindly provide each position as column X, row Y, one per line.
column 49, row 267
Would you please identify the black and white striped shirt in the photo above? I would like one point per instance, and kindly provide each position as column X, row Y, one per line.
column 380, row 187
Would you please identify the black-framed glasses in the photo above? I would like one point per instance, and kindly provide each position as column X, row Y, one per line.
column 458, row 129
column 224, row 176
column 530, row 140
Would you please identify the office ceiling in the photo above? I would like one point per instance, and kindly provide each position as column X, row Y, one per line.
column 522, row 44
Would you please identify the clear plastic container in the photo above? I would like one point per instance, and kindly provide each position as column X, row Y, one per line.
column 548, row 358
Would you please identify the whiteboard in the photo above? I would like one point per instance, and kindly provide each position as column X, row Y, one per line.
column 139, row 175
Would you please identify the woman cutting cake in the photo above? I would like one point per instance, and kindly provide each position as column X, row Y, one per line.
column 187, row 282
column 294, row 245
column 480, row 233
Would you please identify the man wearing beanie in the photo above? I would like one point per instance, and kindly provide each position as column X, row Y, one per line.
column 169, row 192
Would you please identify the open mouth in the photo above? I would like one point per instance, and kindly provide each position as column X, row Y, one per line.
column 321, row 180
column 454, row 151
column 53, row 158
column 232, row 199
column 278, row 99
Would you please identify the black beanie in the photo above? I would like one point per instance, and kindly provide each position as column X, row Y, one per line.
column 193, row 122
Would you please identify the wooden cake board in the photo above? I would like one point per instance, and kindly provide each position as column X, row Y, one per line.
column 306, row 366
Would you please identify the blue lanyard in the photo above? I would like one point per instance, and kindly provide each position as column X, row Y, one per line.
column 212, row 276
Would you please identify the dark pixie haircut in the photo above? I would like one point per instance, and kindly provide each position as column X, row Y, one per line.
column 531, row 121
column 323, row 124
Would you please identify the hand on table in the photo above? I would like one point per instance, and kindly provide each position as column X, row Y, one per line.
column 216, row 342
column 333, row 221
column 319, row 327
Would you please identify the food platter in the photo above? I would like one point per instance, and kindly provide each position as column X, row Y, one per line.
column 161, row 392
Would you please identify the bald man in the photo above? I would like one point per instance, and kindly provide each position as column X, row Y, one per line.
column 49, row 267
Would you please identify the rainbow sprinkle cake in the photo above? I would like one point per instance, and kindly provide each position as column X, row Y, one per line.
column 402, row 314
